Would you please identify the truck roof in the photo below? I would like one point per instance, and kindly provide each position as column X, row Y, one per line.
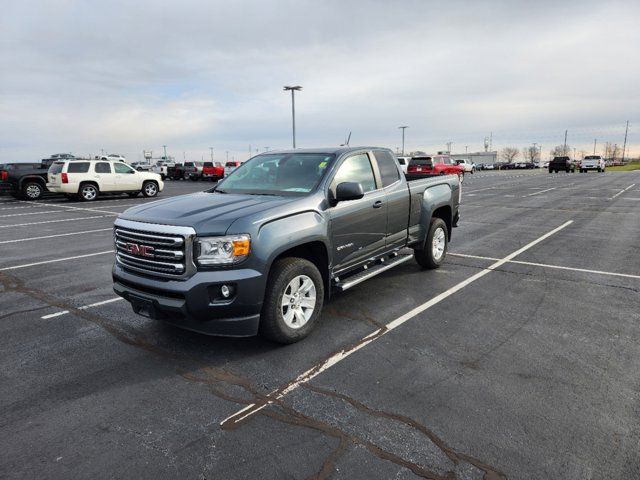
column 327, row 150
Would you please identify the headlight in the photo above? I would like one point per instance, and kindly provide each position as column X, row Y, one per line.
column 222, row 250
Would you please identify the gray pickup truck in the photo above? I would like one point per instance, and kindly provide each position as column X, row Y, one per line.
column 264, row 249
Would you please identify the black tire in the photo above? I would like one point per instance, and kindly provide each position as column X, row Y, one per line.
column 150, row 189
column 193, row 178
column 32, row 191
column 88, row 192
column 133, row 194
column 163, row 176
column 272, row 322
column 550, row 170
column 425, row 256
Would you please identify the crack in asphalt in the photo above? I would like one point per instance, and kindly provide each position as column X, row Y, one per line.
column 218, row 380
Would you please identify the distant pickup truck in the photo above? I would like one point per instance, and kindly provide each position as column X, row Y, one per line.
column 262, row 250
column 26, row 180
column 592, row 162
column 559, row 164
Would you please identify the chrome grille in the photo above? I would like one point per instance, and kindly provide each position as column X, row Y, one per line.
column 155, row 250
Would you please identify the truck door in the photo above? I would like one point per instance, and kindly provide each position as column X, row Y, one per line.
column 396, row 197
column 358, row 227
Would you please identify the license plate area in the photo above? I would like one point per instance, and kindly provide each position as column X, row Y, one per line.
column 143, row 306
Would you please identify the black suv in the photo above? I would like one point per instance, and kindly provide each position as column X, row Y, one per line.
column 562, row 163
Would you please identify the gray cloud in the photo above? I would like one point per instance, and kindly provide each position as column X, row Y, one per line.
column 81, row 76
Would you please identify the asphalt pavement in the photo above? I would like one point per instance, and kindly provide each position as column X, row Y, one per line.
column 519, row 358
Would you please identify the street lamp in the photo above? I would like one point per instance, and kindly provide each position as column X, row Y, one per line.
column 402, row 128
column 293, row 108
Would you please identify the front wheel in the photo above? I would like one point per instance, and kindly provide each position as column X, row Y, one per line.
column 435, row 246
column 293, row 300
column 149, row 189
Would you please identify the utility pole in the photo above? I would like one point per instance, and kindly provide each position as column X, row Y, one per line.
column 466, row 149
column 624, row 148
column 211, row 149
column 564, row 149
column 165, row 152
column 297, row 88
column 449, row 147
column 403, row 128
column 491, row 142
column 595, row 140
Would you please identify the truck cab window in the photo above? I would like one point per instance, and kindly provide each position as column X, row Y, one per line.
column 356, row 169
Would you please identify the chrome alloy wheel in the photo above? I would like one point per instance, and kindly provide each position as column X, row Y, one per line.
column 89, row 192
column 298, row 302
column 150, row 189
column 33, row 191
column 438, row 244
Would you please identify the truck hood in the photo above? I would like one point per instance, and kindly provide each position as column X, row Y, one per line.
column 207, row 213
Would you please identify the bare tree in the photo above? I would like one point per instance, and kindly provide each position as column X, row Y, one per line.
column 614, row 151
column 560, row 151
column 509, row 154
column 531, row 154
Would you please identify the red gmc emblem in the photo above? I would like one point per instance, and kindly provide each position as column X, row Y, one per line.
column 140, row 250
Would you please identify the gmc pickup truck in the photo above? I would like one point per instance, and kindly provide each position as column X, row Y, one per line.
column 263, row 250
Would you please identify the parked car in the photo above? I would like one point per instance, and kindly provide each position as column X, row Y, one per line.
column 441, row 164
column 86, row 180
column 175, row 171
column 561, row 163
column 592, row 162
column 192, row 170
column 545, row 165
column 26, row 180
column 404, row 163
column 467, row 165
column 142, row 166
column 112, row 157
column 264, row 249
column 161, row 168
column 485, row 166
column 230, row 167
column 212, row 171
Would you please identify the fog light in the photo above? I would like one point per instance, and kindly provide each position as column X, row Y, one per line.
column 225, row 291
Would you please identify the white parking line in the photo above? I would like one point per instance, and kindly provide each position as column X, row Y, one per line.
column 44, row 212
column 545, row 265
column 622, row 191
column 56, row 235
column 69, row 207
column 85, row 307
column 57, row 221
column 539, row 192
column 44, row 262
column 341, row 355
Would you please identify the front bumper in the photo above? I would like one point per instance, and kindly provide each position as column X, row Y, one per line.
column 196, row 303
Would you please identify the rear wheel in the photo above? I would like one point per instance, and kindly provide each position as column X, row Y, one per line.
column 150, row 189
column 32, row 191
column 88, row 192
column 293, row 300
column 435, row 246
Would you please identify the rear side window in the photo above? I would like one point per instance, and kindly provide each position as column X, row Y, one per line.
column 56, row 167
column 103, row 167
column 387, row 166
column 78, row 167
column 421, row 161
column 356, row 169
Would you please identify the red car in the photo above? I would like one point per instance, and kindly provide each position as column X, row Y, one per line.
column 434, row 165
column 212, row 171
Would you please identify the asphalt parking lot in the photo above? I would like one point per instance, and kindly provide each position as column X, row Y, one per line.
column 519, row 358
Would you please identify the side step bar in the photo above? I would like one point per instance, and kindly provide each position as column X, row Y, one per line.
column 354, row 280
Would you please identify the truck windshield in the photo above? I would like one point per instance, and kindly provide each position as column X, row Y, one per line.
column 278, row 174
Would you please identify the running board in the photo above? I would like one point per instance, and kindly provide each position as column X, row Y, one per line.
column 354, row 280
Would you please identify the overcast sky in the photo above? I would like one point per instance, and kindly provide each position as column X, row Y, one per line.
column 123, row 76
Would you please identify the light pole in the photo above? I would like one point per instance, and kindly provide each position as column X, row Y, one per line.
column 293, row 108
column 466, row 149
column 165, row 152
column 449, row 147
column 403, row 128
column 211, row 149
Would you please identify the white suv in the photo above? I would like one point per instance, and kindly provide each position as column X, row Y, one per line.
column 592, row 162
column 86, row 179
column 468, row 165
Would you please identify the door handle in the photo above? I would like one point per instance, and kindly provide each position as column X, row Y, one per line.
column 377, row 204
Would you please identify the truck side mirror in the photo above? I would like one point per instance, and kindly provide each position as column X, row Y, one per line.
column 349, row 191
